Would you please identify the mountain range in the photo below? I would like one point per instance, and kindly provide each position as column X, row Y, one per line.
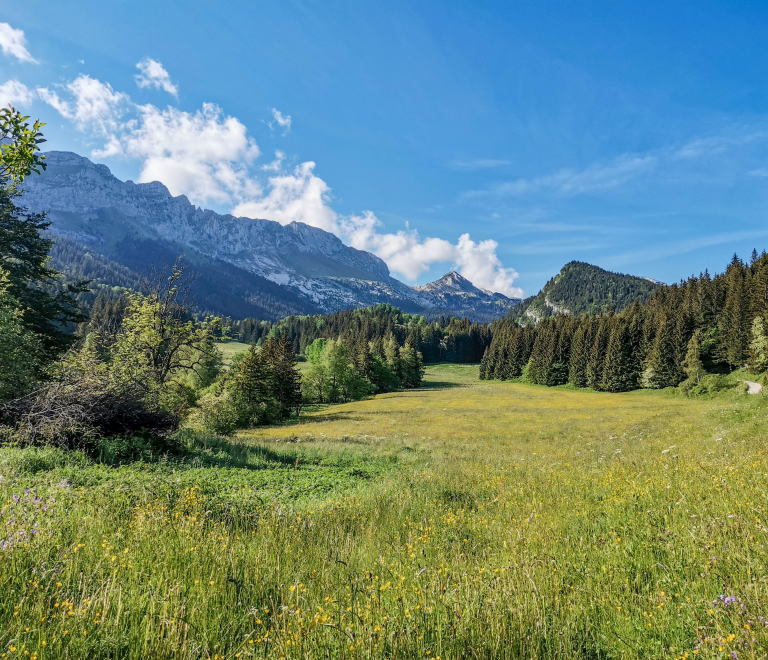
column 242, row 267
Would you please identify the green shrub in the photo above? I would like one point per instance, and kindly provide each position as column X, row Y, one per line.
column 215, row 413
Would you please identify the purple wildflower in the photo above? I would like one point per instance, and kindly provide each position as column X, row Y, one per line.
column 726, row 601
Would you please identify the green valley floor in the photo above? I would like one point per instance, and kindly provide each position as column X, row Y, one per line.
column 465, row 519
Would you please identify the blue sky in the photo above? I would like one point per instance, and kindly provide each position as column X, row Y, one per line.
column 630, row 135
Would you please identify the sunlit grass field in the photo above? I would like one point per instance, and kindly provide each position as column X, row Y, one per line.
column 466, row 519
column 229, row 349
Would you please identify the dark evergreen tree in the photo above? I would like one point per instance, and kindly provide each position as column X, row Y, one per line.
column 735, row 320
column 596, row 362
column 581, row 348
column 661, row 368
column 51, row 310
column 286, row 378
column 543, row 354
column 252, row 387
column 619, row 374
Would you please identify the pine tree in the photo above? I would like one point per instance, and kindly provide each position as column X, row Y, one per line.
column 619, row 374
column 487, row 364
column 542, row 356
column 759, row 286
column 558, row 370
column 30, row 280
column 499, row 359
column 759, row 344
column 735, row 318
column 252, row 387
column 412, row 366
column 580, row 350
column 507, row 355
column 636, row 341
column 661, row 368
column 286, row 378
column 692, row 364
column 596, row 362
column 20, row 348
column 392, row 356
column 362, row 356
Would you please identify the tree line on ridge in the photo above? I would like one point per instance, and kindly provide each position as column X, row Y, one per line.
column 678, row 334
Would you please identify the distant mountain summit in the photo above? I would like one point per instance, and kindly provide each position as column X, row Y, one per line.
column 303, row 268
column 450, row 282
column 581, row 288
column 455, row 292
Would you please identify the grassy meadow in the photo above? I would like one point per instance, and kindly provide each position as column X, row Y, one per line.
column 229, row 349
column 465, row 519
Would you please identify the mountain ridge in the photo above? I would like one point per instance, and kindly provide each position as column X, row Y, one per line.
column 88, row 204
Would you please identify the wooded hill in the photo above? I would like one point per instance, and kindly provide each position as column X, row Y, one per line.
column 679, row 333
column 441, row 340
column 581, row 288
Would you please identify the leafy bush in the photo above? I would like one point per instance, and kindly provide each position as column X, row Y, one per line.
column 712, row 384
column 20, row 348
column 82, row 403
column 215, row 413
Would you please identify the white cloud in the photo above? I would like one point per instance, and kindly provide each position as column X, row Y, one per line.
column 715, row 145
column 480, row 264
column 153, row 74
column 658, row 163
column 680, row 247
column 406, row 253
column 204, row 155
column 297, row 197
column 14, row 43
column 284, row 121
column 277, row 164
column 94, row 104
column 15, row 93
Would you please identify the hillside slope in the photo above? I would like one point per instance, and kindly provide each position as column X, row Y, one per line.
column 581, row 288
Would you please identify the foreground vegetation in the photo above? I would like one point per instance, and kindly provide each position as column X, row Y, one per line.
column 462, row 519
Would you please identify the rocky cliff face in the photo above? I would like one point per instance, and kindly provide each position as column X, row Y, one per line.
column 88, row 204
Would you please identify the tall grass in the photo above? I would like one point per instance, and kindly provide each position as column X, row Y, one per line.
column 464, row 520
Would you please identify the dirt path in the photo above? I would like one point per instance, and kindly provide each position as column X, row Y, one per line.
column 753, row 388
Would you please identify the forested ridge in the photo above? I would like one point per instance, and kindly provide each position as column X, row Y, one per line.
column 581, row 288
column 445, row 339
column 679, row 334
column 218, row 287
